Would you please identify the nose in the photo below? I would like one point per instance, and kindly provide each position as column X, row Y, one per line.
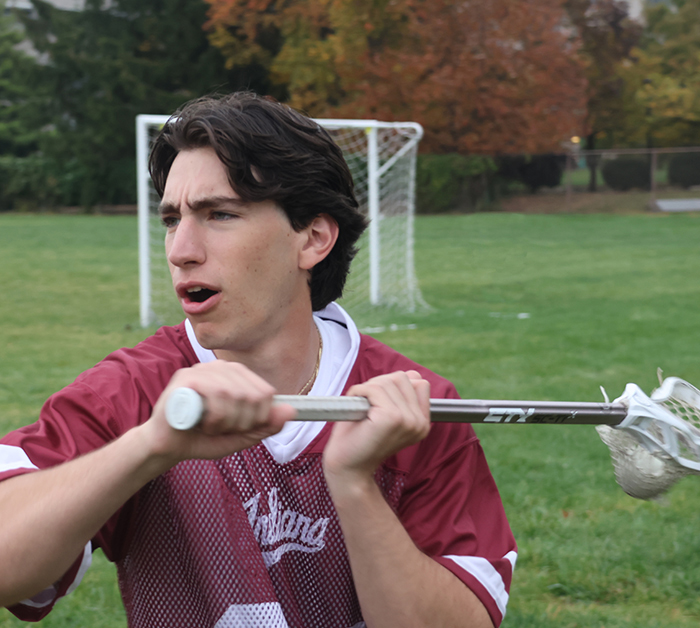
column 184, row 245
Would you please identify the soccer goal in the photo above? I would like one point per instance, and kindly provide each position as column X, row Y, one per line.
column 382, row 159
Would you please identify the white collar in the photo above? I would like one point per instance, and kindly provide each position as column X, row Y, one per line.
column 341, row 344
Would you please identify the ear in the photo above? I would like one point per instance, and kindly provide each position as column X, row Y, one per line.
column 321, row 235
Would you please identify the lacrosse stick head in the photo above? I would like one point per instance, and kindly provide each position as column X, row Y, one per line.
column 658, row 442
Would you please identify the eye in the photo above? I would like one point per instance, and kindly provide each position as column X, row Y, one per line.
column 222, row 215
column 169, row 221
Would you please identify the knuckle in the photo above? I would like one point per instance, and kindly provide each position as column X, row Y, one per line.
column 424, row 429
column 398, row 377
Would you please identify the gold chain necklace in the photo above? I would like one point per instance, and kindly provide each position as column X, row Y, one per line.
column 306, row 387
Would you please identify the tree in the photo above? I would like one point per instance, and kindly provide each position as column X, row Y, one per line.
column 18, row 106
column 108, row 63
column 664, row 75
column 482, row 77
column 608, row 37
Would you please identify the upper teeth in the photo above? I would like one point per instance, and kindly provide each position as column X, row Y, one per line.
column 195, row 289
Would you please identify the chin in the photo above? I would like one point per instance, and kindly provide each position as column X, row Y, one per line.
column 207, row 338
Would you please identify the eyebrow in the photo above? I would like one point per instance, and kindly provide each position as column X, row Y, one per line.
column 202, row 204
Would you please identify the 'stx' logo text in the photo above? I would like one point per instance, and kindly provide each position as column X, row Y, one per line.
column 508, row 415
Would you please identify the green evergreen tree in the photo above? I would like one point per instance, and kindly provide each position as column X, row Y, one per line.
column 108, row 63
column 18, row 102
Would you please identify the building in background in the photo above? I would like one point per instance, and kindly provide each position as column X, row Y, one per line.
column 66, row 5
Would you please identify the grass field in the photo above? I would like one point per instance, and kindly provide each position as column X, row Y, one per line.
column 524, row 306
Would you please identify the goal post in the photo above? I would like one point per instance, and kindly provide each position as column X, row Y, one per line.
column 382, row 159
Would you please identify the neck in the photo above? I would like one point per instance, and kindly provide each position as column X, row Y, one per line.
column 288, row 362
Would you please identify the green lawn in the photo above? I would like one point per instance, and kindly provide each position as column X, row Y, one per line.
column 524, row 306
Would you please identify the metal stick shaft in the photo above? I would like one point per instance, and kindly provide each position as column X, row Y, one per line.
column 467, row 410
column 185, row 409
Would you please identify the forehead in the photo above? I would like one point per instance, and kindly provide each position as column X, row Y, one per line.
column 194, row 174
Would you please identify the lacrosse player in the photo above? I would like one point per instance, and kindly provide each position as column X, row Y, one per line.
column 253, row 518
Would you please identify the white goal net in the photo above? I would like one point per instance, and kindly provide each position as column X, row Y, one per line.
column 382, row 159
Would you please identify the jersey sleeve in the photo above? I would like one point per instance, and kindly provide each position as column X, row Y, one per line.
column 449, row 505
column 101, row 405
column 72, row 423
column 452, row 510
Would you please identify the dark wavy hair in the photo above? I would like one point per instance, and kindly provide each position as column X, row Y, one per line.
column 272, row 152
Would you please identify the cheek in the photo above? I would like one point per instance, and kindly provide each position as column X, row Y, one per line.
column 275, row 254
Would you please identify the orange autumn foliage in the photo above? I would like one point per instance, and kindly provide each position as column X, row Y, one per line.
column 482, row 76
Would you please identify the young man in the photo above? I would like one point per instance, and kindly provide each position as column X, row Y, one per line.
column 253, row 519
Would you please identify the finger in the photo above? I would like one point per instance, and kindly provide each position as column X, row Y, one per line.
column 392, row 400
column 379, row 391
column 422, row 389
column 232, row 415
column 376, row 394
column 415, row 400
column 408, row 383
column 236, row 398
column 413, row 375
column 280, row 413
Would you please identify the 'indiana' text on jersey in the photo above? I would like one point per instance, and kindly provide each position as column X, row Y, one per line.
column 299, row 533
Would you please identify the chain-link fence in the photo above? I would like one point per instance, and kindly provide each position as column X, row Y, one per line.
column 666, row 179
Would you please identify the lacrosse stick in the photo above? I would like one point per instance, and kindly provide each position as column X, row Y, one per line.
column 654, row 442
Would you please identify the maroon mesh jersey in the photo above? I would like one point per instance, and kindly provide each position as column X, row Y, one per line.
column 246, row 541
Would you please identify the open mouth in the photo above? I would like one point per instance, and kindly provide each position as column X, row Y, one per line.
column 199, row 294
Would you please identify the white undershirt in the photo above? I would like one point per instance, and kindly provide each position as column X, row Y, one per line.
column 341, row 343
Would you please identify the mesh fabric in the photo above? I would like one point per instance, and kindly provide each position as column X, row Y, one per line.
column 242, row 541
